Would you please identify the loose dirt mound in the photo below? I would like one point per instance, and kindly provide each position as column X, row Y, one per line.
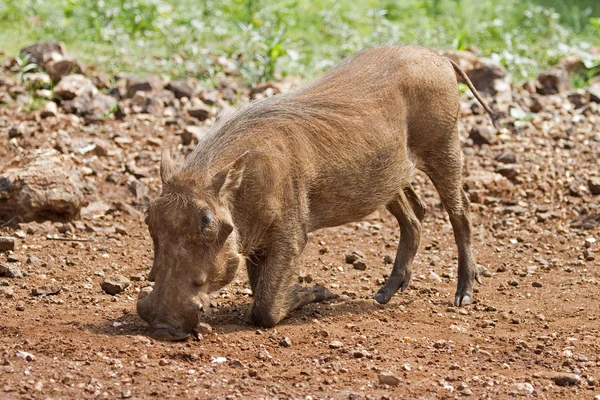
column 533, row 330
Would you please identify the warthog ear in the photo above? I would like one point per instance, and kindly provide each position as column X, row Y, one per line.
column 230, row 178
column 167, row 166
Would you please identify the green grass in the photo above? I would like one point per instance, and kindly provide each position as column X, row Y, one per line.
column 273, row 38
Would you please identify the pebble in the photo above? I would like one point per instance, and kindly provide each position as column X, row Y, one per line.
column 126, row 394
column 12, row 258
column 387, row 378
column 7, row 243
column 523, row 388
column 359, row 265
column 10, row 271
column 536, row 284
column 6, row 292
column 566, row 379
column 204, row 328
column 285, row 342
column 47, row 289
column 434, row 277
column 354, row 256
column 115, row 284
column 25, row 355
column 335, row 344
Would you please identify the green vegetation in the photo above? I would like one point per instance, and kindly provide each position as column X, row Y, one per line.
column 274, row 38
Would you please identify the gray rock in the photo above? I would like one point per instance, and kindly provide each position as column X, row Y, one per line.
column 7, row 243
column 506, row 157
column 523, row 389
column 181, row 89
column 45, row 185
column 335, row 344
column 566, row 379
column 354, row 256
column 594, row 185
column 387, row 378
column 47, row 289
column 7, row 292
column 50, row 110
column 60, row 68
column 115, row 284
column 359, row 265
column 553, row 81
column 200, row 112
column 482, row 135
column 41, row 53
column 149, row 84
column 285, row 342
column 594, row 92
column 73, row 86
column 10, row 271
column 204, row 328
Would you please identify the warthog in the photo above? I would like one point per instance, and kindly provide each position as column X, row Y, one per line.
column 328, row 153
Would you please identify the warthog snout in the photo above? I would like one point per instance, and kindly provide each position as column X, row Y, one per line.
column 174, row 325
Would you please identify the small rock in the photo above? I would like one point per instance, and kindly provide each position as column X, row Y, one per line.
column 523, row 389
column 137, row 277
column 359, row 265
column 335, row 344
column 12, row 258
column 200, row 112
column 6, row 292
column 73, row 86
column 181, row 89
column 388, row 259
column 150, row 84
column 536, row 284
column 204, row 328
column 25, row 355
column 510, row 171
column 285, row 342
column 7, row 243
column 566, row 379
column 126, row 393
column 60, row 68
column 482, row 135
column 50, row 110
column 594, row 185
column 10, row 271
column 434, row 277
column 355, row 255
column 41, row 53
column 163, row 362
column 115, row 284
column 553, row 81
column 47, row 289
column 387, row 378
column 507, row 157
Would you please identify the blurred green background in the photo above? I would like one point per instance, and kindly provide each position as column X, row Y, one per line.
column 274, row 38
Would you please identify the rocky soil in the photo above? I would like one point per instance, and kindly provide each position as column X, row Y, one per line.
column 77, row 174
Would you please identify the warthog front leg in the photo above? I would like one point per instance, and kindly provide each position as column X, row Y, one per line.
column 272, row 276
column 409, row 210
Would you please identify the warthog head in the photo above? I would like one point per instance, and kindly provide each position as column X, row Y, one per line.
column 195, row 246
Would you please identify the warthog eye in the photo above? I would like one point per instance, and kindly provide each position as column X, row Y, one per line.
column 206, row 219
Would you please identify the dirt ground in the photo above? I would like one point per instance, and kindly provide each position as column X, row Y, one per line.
column 533, row 330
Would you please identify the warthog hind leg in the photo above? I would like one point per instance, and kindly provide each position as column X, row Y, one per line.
column 409, row 210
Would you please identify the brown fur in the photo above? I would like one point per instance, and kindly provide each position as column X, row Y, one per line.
column 328, row 153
